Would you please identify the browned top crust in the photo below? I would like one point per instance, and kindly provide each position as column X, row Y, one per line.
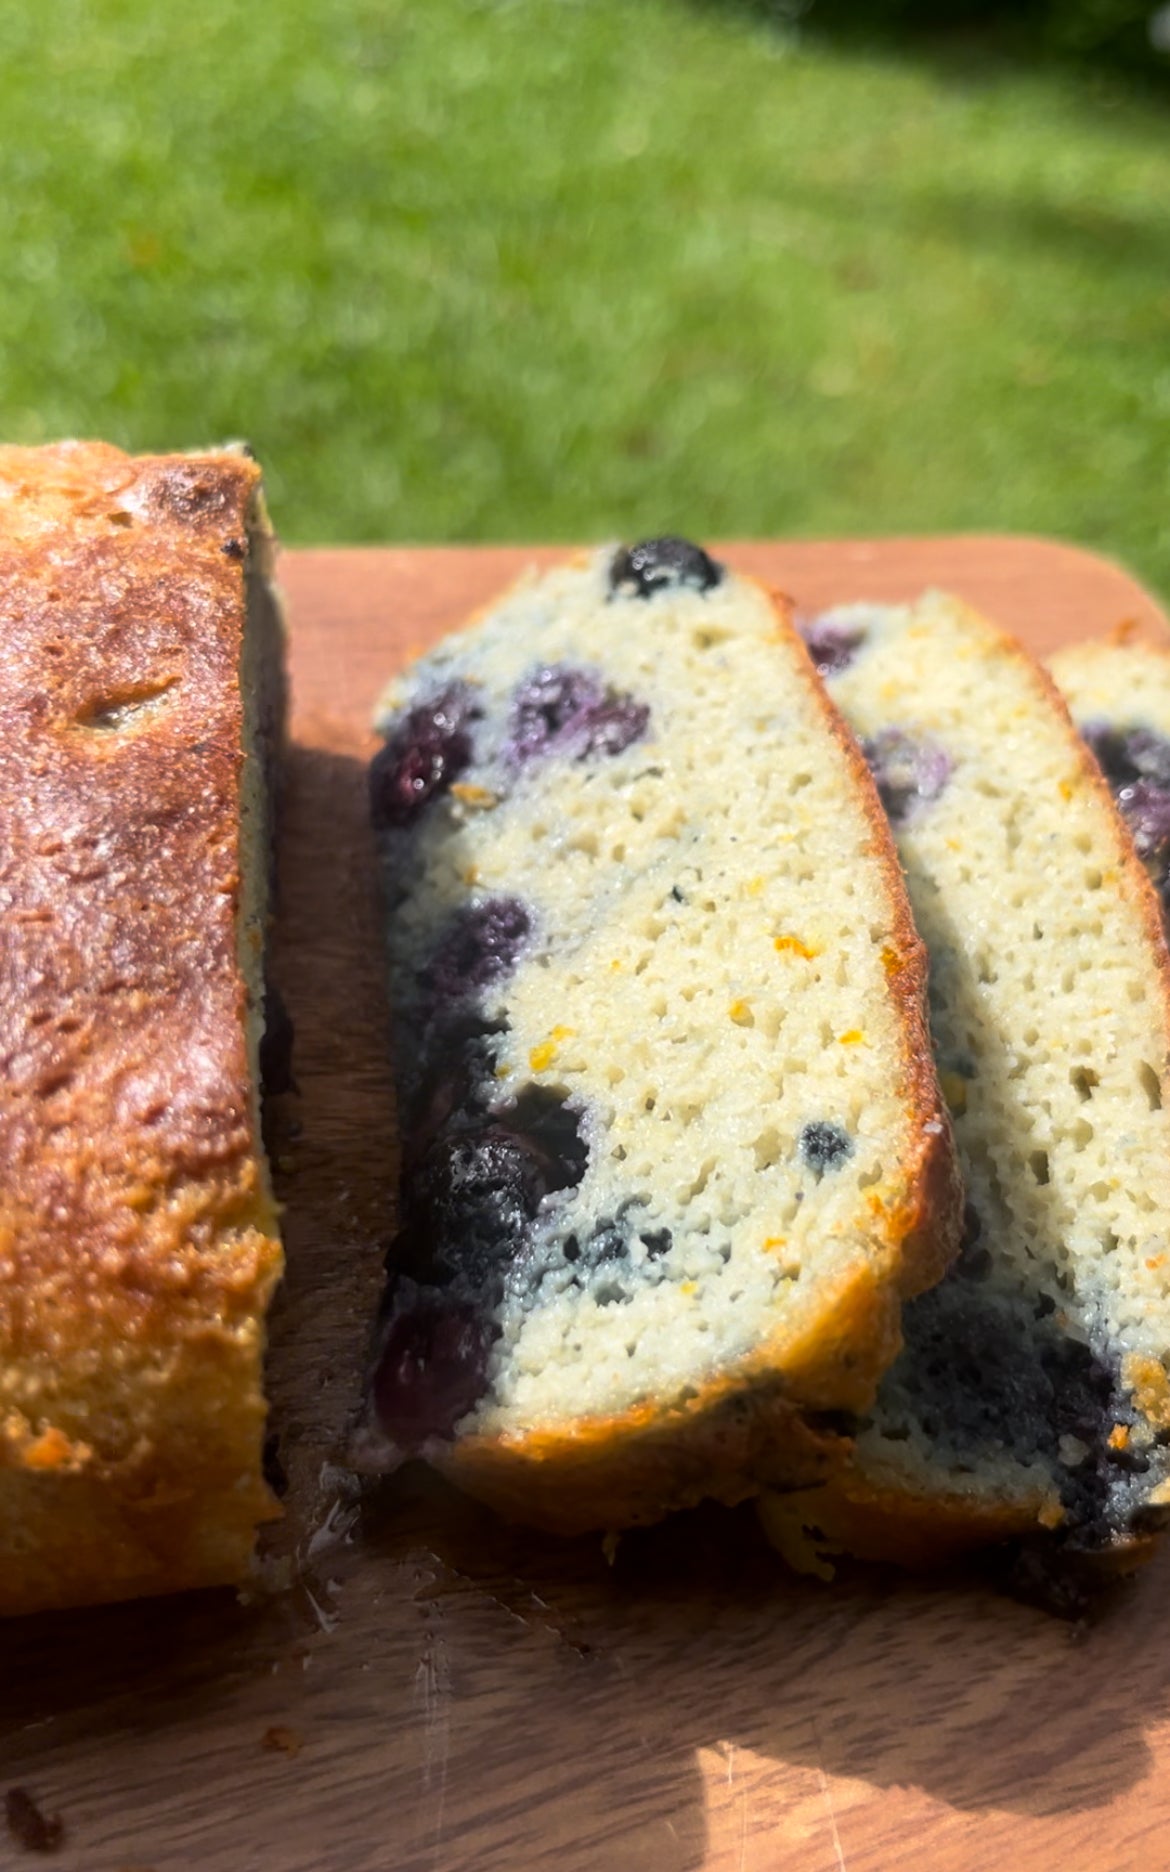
column 137, row 1231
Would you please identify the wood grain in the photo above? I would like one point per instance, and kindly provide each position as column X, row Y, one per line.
column 434, row 1692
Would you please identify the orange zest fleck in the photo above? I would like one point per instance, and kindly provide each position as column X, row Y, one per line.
column 794, row 944
column 542, row 1056
column 853, row 1038
column 472, row 795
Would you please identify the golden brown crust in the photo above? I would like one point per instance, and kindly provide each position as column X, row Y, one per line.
column 856, row 1516
column 757, row 1426
column 747, row 1429
column 631, row 1471
column 138, row 1242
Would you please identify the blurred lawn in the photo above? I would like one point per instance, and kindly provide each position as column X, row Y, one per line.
column 564, row 268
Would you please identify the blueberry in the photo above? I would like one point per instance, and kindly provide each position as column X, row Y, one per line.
column 1127, row 755
column 1150, row 755
column 910, row 771
column 1107, row 745
column 550, row 703
column 429, row 748
column 431, row 1368
column 615, row 726
column 831, row 646
column 559, row 709
column 480, row 944
column 1136, row 763
column 469, row 1199
column 457, row 1079
column 824, row 1145
column 655, row 565
column 1145, row 808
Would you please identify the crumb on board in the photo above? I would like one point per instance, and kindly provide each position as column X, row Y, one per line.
column 32, row 1828
column 281, row 1740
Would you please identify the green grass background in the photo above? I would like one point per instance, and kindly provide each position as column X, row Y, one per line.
column 487, row 269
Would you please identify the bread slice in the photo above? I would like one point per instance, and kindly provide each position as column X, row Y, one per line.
column 674, row 1148
column 1032, row 1391
column 140, row 708
column 1118, row 692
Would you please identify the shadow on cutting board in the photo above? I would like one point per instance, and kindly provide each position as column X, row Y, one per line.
column 439, row 1692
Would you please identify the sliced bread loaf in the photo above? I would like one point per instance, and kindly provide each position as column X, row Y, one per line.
column 674, row 1151
column 1032, row 1390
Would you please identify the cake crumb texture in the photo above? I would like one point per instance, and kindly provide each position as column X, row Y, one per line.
column 1030, row 1393
column 674, row 1144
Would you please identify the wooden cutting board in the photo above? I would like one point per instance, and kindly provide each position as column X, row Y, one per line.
column 433, row 1691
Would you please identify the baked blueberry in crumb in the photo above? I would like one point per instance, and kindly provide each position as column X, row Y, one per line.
column 473, row 1196
column 1125, row 755
column 455, row 1073
column 824, row 1145
column 562, row 710
column 831, row 646
column 1145, row 807
column 655, row 565
column 1136, row 763
column 431, row 1367
column 468, row 1200
column 910, row 771
column 480, row 945
column 427, row 750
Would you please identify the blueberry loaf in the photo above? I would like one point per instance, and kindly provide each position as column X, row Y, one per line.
column 674, row 1150
column 1031, row 1392
column 140, row 703
column 1118, row 693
